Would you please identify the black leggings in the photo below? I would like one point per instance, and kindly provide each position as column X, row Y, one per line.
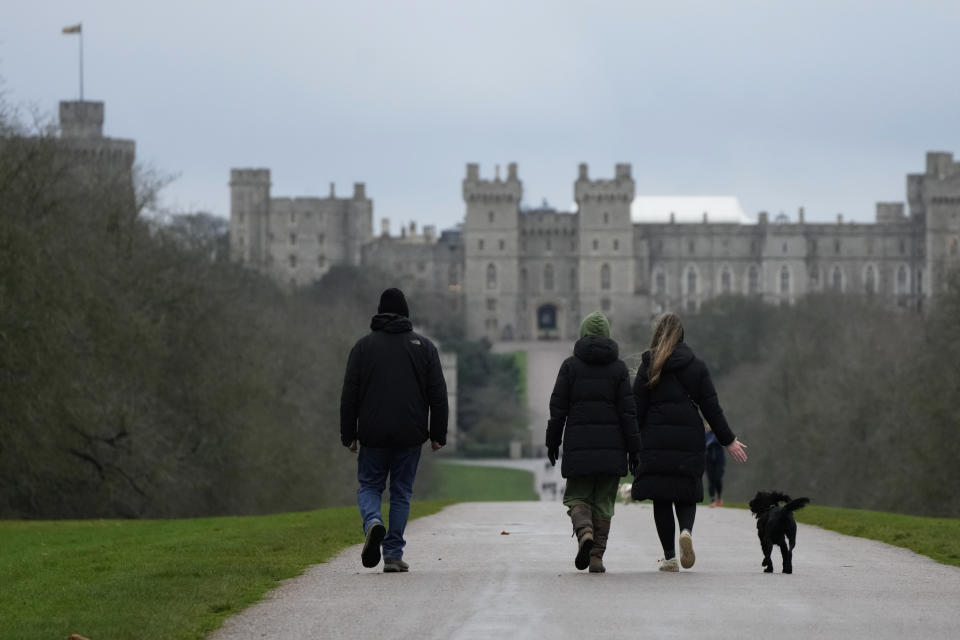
column 663, row 517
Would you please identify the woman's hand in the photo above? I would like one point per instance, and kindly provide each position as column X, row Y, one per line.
column 736, row 449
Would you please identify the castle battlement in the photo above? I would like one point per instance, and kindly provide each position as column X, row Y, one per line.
column 620, row 189
column 496, row 190
column 250, row 177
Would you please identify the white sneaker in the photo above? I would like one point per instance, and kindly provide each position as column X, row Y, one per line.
column 669, row 565
column 687, row 556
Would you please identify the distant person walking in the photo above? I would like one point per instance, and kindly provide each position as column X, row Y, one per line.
column 592, row 415
column 393, row 385
column 714, row 463
column 672, row 387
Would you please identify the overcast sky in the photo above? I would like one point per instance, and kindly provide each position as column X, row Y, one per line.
column 826, row 105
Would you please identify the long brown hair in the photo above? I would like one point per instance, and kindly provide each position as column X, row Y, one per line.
column 666, row 335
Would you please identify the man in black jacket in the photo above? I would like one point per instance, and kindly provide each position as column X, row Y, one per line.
column 393, row 385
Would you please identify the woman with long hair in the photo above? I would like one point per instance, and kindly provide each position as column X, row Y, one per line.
column 672, row 387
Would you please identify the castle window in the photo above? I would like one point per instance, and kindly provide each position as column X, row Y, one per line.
column 452, row 278
column 837, row 279
column 606, row 218
column 319, row 238
column 725, row 280
column 836, row 247
column 293, row 238
column 902, row 280
column 321, row 262
column 293, row 260
column 523, row 278
column 785, row 279
column 491, row 216
column 573, row 279
column 903, row 247
column 660, row 283
column 813, row 246
column 491, row 276
column 784, row 247
column 616, row 245
column 605, row 304
column 605, row 277
column 814, row 276
column 548, row 277
column 691, row 281
column 491, row 304
column 293, row 216
column 870, row 280
column 480, row 244
column 596, row 245
column 691, row 247
column 502, row 245
column 753, row 280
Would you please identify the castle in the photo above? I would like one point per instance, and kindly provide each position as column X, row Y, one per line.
column 517, row 274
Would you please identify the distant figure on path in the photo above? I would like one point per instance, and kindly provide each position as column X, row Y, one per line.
column 714, row 463
column 671, row 385
column 393, row 385
column 592, row 414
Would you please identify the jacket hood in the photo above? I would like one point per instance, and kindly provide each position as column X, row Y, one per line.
column 391, row 323
column 596, row 350
column 682, row 356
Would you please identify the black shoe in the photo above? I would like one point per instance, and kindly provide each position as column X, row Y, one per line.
column 370, row 556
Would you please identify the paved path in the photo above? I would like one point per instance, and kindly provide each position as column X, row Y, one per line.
column 469, row 581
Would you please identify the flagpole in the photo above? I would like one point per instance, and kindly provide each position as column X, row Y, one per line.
column 81, row 62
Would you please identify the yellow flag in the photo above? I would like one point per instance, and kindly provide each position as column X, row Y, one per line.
column 73, row 29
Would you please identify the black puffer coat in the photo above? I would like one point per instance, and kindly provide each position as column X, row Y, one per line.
column 672, row 437
column 393, row 382
column 592, row 399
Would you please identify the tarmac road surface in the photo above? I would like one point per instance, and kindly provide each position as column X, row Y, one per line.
column 469, row 580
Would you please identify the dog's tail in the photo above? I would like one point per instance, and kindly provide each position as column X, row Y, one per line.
column 799, row 503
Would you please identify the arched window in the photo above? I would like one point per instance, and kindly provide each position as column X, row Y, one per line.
column 870, row 280
column 523, row 278
column 660, row 283
column 548, row 277
column 902, row 279
column 491, row 276
column 490, row 215
column 606, row 217
column 753, row 280
column 605, row 277
column 837, row 279
column 785, row 279
column 725, row 280
column 691, row 281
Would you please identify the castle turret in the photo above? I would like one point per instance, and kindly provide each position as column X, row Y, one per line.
column 490, row 236
column 606, row 262
column 250, row 217
column 935, row 199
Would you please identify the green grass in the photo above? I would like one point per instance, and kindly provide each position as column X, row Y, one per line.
column 466, row 483
column 162, row 579
column 936, row 538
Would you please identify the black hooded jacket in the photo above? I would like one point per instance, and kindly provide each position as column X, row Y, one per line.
column 593, row 405
column 671, row 431
column 393, row 382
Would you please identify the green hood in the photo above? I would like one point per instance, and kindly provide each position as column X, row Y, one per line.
column 595, row 324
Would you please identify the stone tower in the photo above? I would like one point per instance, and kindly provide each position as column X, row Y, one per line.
column 605, row 231
column 249, row 215
column 934, row 198
column 490, row 236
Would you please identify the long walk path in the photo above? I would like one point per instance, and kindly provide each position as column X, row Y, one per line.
column 470, row 580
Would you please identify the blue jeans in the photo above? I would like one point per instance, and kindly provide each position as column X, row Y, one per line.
column 373, row 466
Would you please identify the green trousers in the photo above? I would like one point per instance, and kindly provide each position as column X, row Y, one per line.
column 597, row 492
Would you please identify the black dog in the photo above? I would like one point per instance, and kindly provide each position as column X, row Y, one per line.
column 776, row 526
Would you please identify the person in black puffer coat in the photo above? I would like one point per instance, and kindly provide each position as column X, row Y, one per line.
column 592, row 414
column 672, row 387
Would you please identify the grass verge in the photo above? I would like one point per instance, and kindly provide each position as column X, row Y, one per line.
column 160, row 579
column 468, row 483
column 936, row 538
